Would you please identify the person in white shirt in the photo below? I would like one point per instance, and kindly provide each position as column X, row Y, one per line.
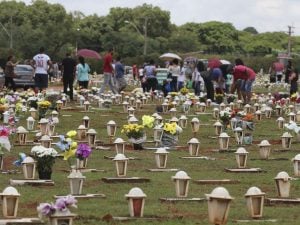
column 197, row 81
column 41, row 63
column 181, row 77
column 174, row 69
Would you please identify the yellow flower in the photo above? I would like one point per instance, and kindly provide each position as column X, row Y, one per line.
column 68, row 154
column 148, row 121
column 71, row 133
column 170, row 127
column 73, row 145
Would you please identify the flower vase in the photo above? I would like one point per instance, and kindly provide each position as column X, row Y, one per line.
column 137, row 146
column 42, row 113
column 169, row 140
column 44, row 174
column 225, row 125
column 44, row 167
column 81, row 163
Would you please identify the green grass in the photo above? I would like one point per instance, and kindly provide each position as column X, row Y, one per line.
column 91, row 211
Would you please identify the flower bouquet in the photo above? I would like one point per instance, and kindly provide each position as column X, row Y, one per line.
column 135, row 134
column 230, row 98
column 184, row 91
column 4, row 140
column 43, row 106
column 59, row 209
column 219, row 98
column 52, row 97
column 148, row 121
column 67, row 145
column 170, row 134
column 82, row 153
column 45, row 158
column 225, row 116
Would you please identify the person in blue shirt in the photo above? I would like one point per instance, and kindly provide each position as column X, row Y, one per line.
column 119, row 75
column 83, row 70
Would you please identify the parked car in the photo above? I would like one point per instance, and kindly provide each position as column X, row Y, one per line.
column 25, row 76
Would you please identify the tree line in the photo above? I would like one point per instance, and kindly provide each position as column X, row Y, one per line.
column 51, row 26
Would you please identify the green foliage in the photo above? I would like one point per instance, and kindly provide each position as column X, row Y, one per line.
column 49, row 25
column 251, row 30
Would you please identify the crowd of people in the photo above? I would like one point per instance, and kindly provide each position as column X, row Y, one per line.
column 213, row 77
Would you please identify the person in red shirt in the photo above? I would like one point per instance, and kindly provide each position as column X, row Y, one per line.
column 239, row 75
column 134, row 71
column 247, row 85
column 108, row 72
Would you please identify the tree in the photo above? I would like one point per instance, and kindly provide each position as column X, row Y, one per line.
column 218, row 37
column 251, row 30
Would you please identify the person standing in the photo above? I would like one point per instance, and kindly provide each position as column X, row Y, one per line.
column 41, row 62
column 83, row 70
column 197, row 81
column 150, row 76
column 108, row 72
column 68, row 71
column 293, row 78
column 120, row 70
column 135, row 72
column 248, row 83
column 288, row 71
column 174, row 69
column 9, row 73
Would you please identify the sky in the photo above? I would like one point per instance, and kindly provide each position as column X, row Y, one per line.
column 264, row 15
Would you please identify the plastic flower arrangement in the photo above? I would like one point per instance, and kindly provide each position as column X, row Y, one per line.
column 83, row 151
column 219, row 98
column 45, row 158
column 42, row 152
column 67, row 145
column 248, row 117
column 225, row 115
column 61, row 205
column 19, row 108
column 292, row 126
column 4, row 140
column 133, row 131
column 148, row 121
column 170, row 128
column 44, row 104
column 184, row 91
column 295, row 98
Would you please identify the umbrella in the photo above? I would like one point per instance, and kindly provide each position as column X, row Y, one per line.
column 225, row 62
column 214, row 63
column 88, row 53
column 191, row 59
column 169, row 57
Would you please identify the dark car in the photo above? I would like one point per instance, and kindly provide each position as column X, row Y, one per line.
column 25, row 76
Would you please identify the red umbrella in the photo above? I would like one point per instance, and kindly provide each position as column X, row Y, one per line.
column 87, row 53
column 214, row 63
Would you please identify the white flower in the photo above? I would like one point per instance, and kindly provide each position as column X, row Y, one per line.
column 41, row 151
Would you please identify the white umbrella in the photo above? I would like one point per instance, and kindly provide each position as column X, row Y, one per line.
column 169, row 57
column 225, row 62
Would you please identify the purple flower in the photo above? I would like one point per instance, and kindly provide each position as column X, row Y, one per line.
column 70, row 201
column 83, row 151
column 60, row 204
column 46, row 209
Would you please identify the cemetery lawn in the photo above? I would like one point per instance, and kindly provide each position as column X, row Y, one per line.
column 99, row 211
